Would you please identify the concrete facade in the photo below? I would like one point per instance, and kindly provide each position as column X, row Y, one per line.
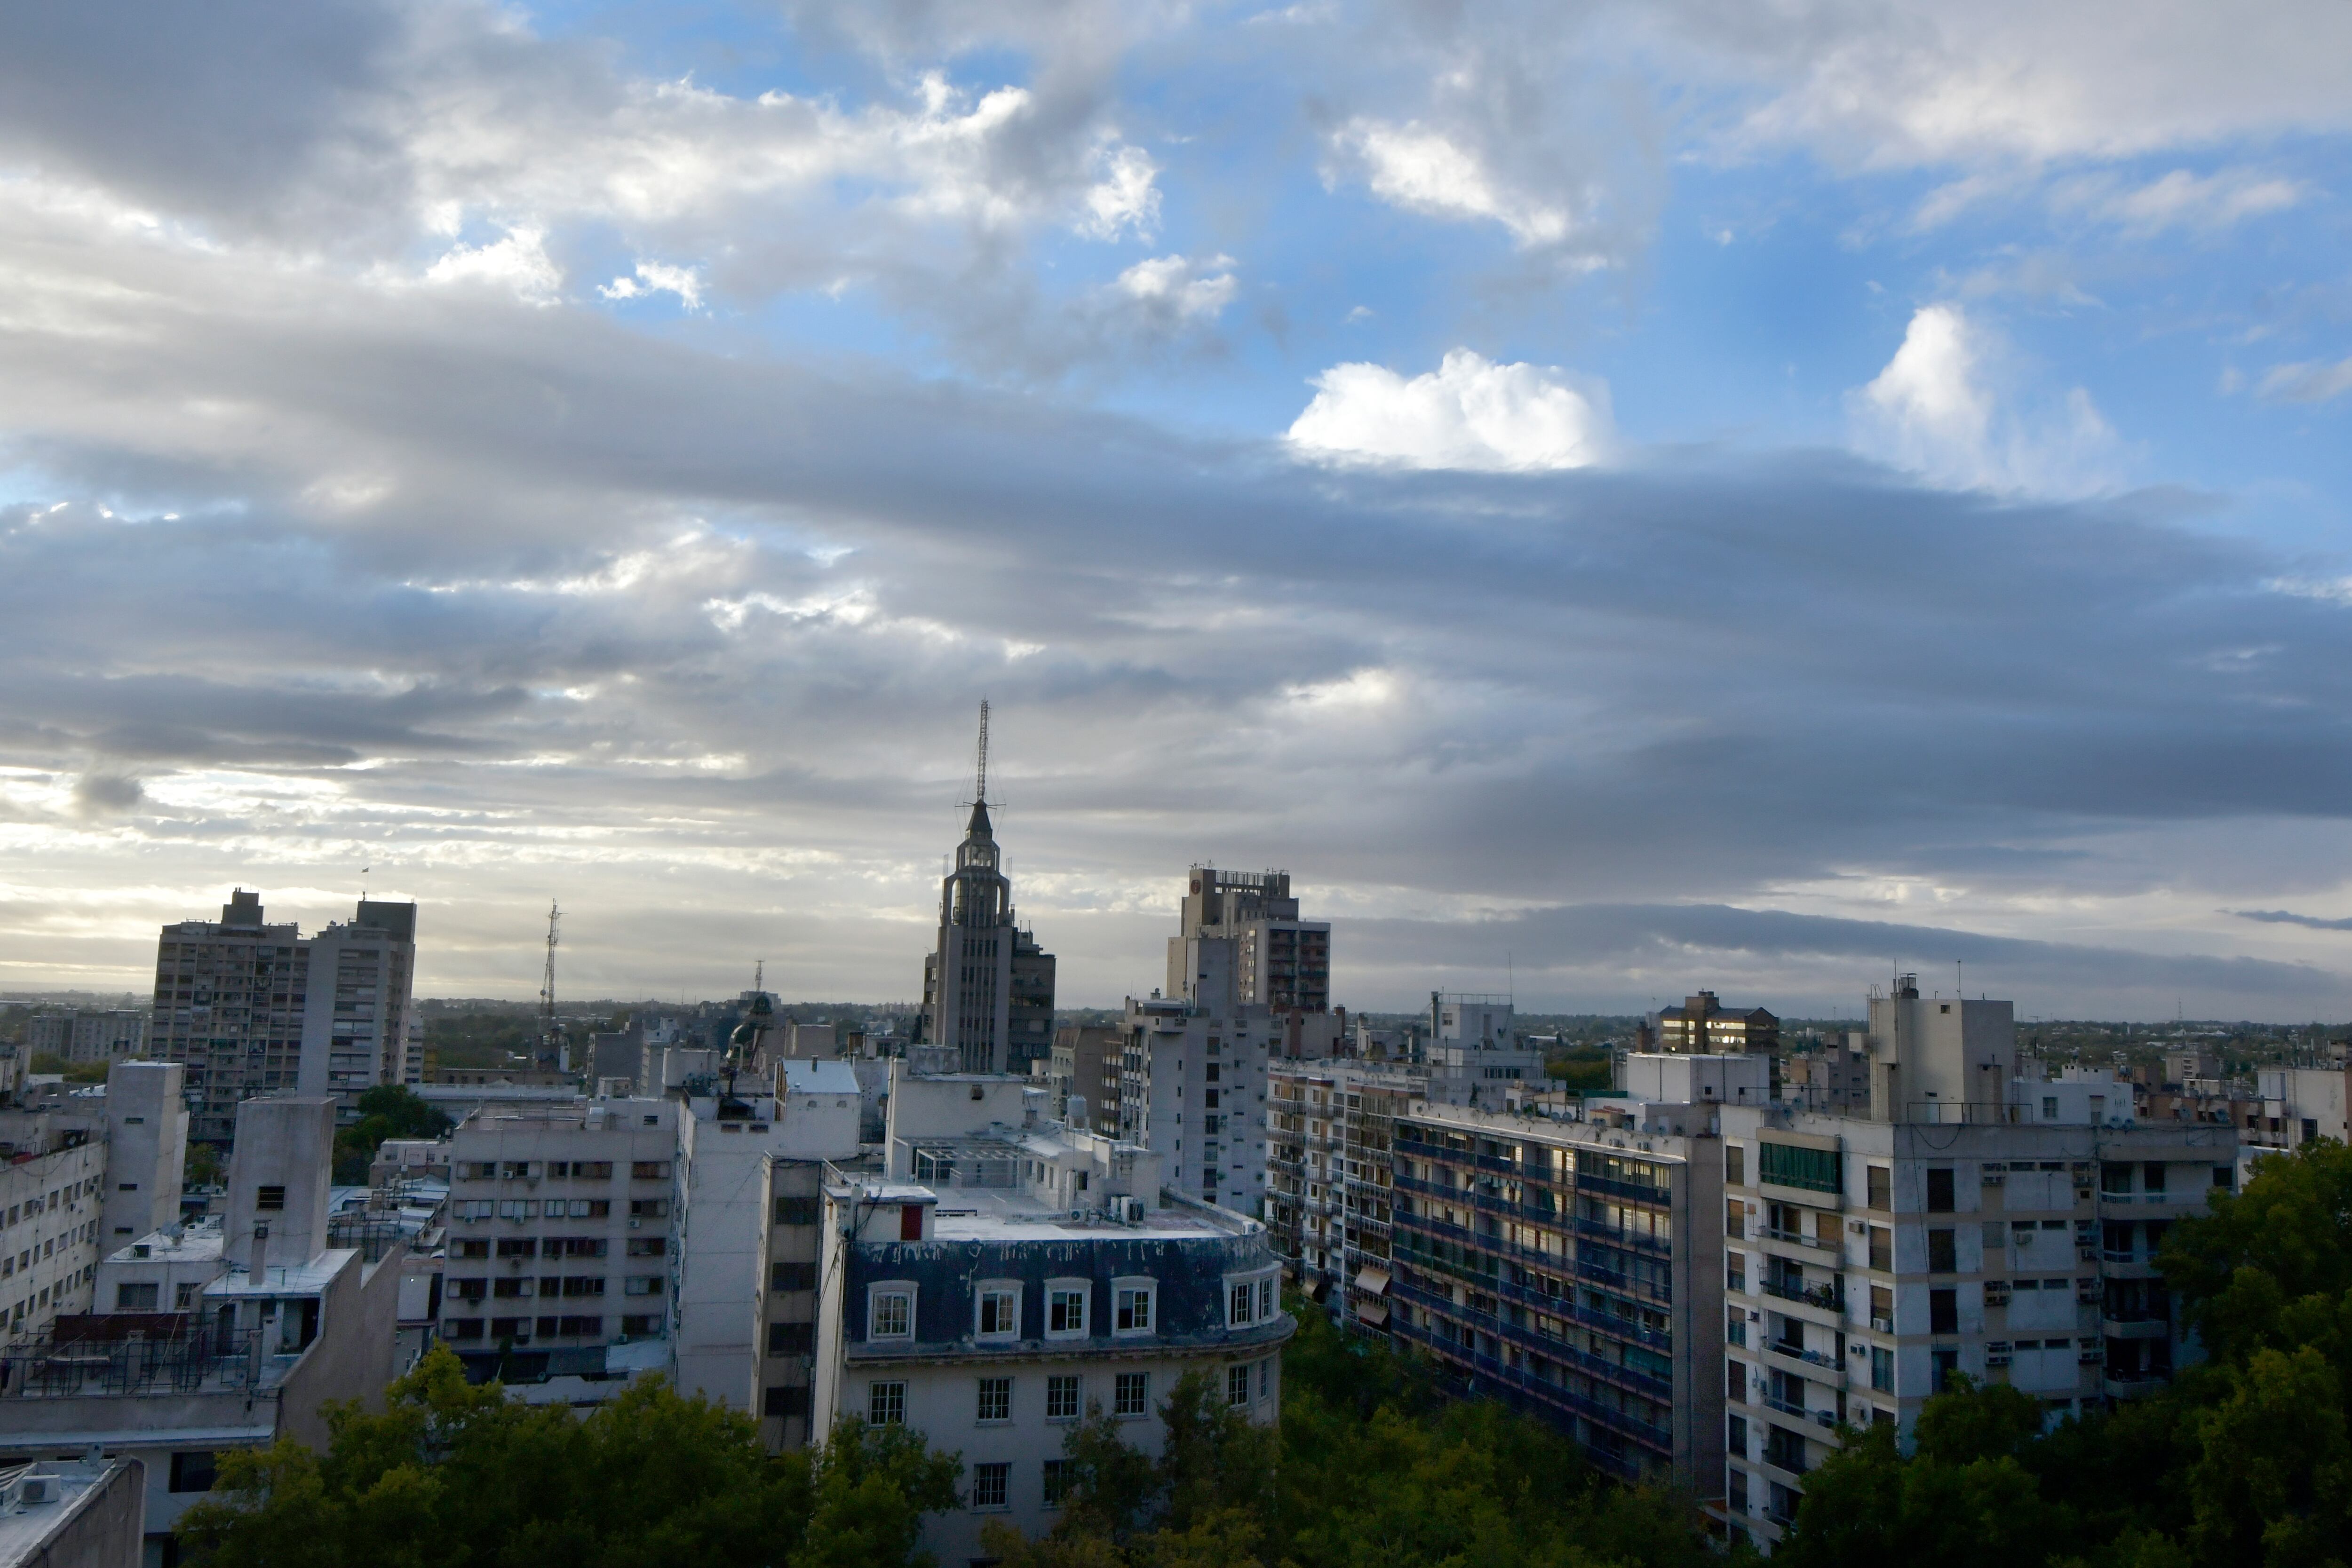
column 147, row 1149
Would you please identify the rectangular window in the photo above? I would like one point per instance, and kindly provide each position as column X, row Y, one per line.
column 1000, row 1312
column 1134, row 1308
column 995, row 1399
column 1940, row 1190
column 2151, row 1176
column 891, row 1315
column 518, row 1247
column 193, row 1470
column 989, row 1488
column 649, row 1170
column 1062, row 1391
column 1736, row 1436
column 1237, row 1385
column 634, row 1285
column 1946, row 1362
column 1879, row 1181
column 1238, row 1308
column 785, row 1402
column 2115, row 1176
column 1882, row 1308
column 1131, row 1394
column 1065, row 1311
column 647, row 1247
column 1816, row 1170
column 792, row 1276
column 648, row 1209
column 1881, row 1369
column 910, row 1222
column 1943, row 1312
column 1058, row 1481
column 1735, row 1381
column 796, row 1211
column 592, row 1170
column 1943, row 1252
column 1882, row 1248
column 591, row 1207
column 886, row 1404
column 791, row 1339
column 1735, row 1165
column 1265, row 1298
column 1265, row 1378
column 135, row 1298
column 269, row 1197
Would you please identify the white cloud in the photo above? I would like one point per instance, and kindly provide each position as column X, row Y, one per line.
column 2208, row 202
column 1179, row 287
column 658, row 277
column 1934, row 411
column 517, row 262
column 1467, row 413
column 1424, row 170
column 1124, row 200
column 2308, row 382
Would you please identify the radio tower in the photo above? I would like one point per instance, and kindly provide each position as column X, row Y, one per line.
column 979, row 784
column 551, row 1034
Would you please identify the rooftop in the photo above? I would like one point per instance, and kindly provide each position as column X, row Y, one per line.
column 35, row 1498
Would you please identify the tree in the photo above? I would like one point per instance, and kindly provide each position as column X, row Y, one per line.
column 386, row 1111
column 454, row 1476
column 2268, row 1266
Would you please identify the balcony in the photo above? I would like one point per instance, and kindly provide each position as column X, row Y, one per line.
column 1823, row 1296
column 1805, row 1357
column 1797, row 1239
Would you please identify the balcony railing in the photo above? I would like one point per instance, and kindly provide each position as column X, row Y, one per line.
column 1821, row 1296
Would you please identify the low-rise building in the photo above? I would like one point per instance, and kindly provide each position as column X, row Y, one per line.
column 73, row 1513
column 1004, row 1276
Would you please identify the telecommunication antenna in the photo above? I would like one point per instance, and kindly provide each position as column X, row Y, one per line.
column 980, row 781
column 551, row 1036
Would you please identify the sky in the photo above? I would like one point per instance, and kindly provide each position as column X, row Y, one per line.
column 1614, row 498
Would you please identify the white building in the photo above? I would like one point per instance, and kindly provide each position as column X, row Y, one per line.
column 2301, row 1104
column 1192, row 1089
column 231, row 1334
column 356, row 1026
column 1476, row 1054
column 1005, row 1276
column 147, row 1150
column 51, row 1214
column 1329, row 1199
column 1978, row 1222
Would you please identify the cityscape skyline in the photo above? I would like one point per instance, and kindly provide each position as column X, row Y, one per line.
column 1602, row 499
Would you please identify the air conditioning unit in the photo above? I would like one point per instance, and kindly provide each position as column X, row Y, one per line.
column 35, row 1489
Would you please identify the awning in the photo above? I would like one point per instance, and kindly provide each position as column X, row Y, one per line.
column 1373, row 1313
column 1372, row 1281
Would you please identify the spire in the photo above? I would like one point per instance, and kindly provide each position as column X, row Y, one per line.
column 978, row 827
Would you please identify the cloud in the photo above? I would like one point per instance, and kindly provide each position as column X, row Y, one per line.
column 517, row 262
column 1468, row 414
column 1175, row 288
column 1421, row 170
column 2207, row 203
column 1124, row 200
column 2308, row 382
column 2282, row 917
column 100, row 793
column 658, row 277
column 1933, row 411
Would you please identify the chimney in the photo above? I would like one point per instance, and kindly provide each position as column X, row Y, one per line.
column 260, row 1266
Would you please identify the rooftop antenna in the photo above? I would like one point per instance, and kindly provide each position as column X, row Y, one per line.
column 551, row 1036
column 979, row 783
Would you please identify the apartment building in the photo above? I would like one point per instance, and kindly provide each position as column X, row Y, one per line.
column 1571, row 1267
column 1086, row 1063
column 52, row 1208
column 1977, row 1222
column 2302, row 1103
column 1475, row 1053
column 563, row 1230
column 1330, row 1208
column 1240, row 942
column 230, row 1334
column 82, row 1036
column 250, row 1008
column 1004, row 1276
column 1193, row 1090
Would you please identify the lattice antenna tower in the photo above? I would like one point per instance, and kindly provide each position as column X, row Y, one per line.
column 551, row 1038
column 980, row 781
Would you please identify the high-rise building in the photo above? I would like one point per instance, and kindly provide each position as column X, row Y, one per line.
column 1240, row 943
column 988, row 987
column 1329, row 1202
column 253, row 1009
column 1975, row 1221
column 1084, row 1068
column 1192, row 1091
column 1476, row 1053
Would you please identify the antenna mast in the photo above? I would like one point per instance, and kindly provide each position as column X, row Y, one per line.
column 551, row 1036
column 979, row 785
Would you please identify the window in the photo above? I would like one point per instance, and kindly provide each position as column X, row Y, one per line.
column 1735, row 1381
column 796, row 1211
column 1134, row 1310
column 592, row 1170
column 1943, row 1252
column 1816, row 1170
column 1000, row 1312
column 1265, row 1298
column 269, row 1197
column 1947, row 1361
column 792, row 1276
column 586, row 1208
column 890, row 1313
column 1881, row 1369
column 1880, row 1182
column 910, row 1222
column 1131, row 1394
column 649, row 1170
column 649, row 1208
column 2050, row 1107
column 2151, row 1175
column 1736, row 1436
column 634, row 1285
column 647, row 1246
column 2115, row 1176
column 1265, row 1378
column 1943, row 1313
column 461, row 1328
column 1940, row 1190
column 989, row 1484
column 1062, row 1394
column 1735, row 1220
column 518, row 1247
column 135, row 1298
column 995, row 1399
column 517, row 1209
column 1066, row 1310
column 193, row 1470
column 786, row 1401
column 1735, row 1165
column 1058, row 1481
column 646, row 1324
column 885, row 1404
column 1237, row 1382
column 1882, row 1248
column 791, row 1339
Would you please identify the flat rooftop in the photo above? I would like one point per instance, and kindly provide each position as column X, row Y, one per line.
column 996, row 1214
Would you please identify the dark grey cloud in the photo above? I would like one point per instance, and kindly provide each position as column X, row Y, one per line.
column 2283, row 917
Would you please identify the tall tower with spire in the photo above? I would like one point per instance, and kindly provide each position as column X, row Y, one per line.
column 987, row 989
